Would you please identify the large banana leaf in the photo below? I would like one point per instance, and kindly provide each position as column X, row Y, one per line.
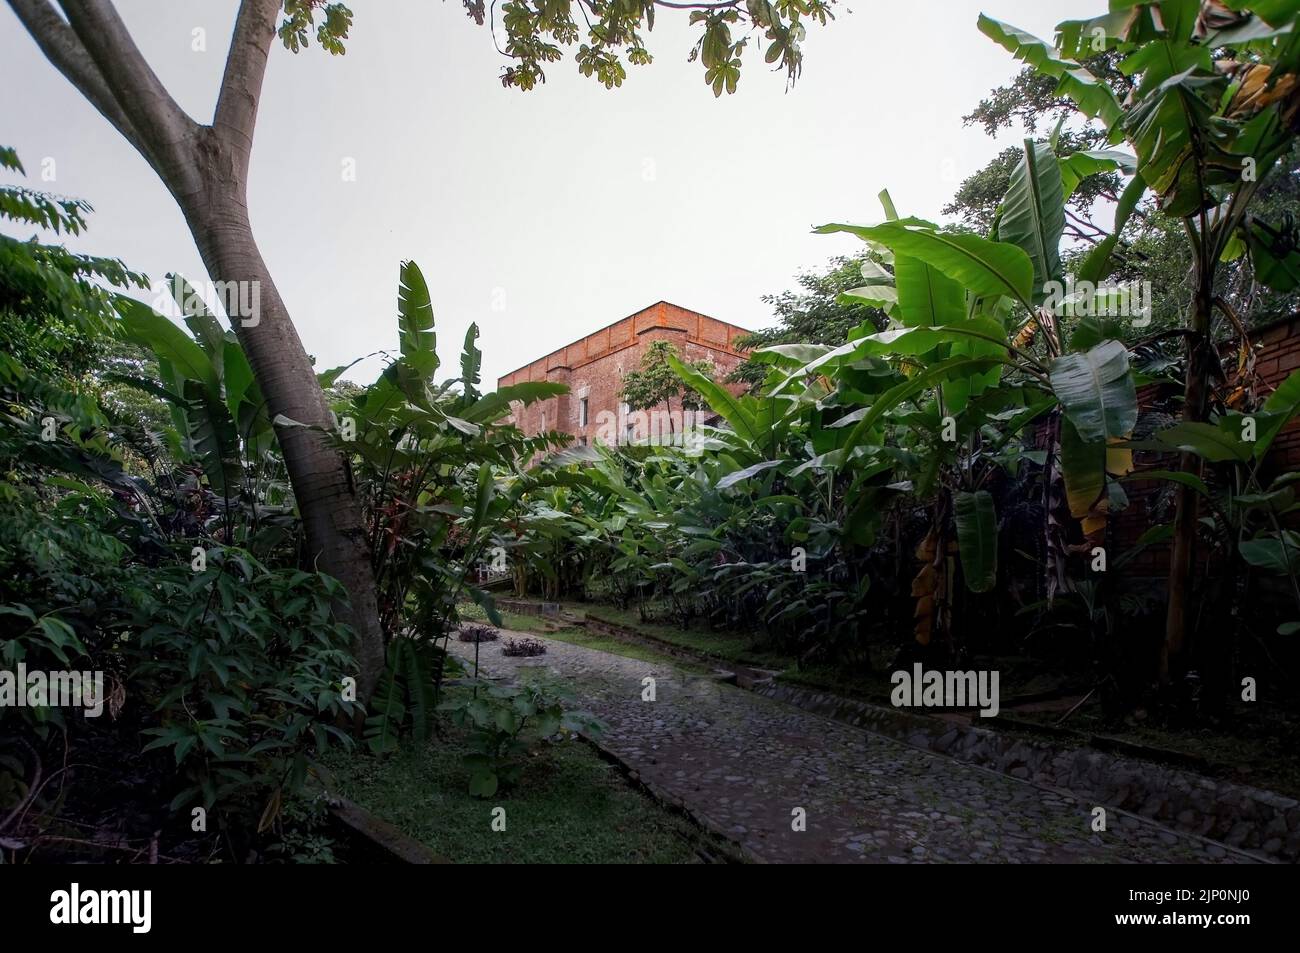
column 737, row 476
column 1079, row 165
column 920, row 340
column 1217, row 443
column 1178, row 143
column 1093, row 97
column 416, row 335
column 144, row 326
column 207, row 330
column 1033, row 213
column 1277, row 263
column 1281, row 406
column 1096, row 391
column 736, row 411
column 213, row 440
column 977, row 539
column 983, row 267
column 471, row 360
column 492, row 407
column 868, row 417
column 925, row 295
column 1083, row 468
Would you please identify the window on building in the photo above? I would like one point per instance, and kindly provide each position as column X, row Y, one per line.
column 582, row 412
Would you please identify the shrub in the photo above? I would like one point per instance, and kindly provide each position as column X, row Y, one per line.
column 496, row 716
column 478, row 633
column 523, row 647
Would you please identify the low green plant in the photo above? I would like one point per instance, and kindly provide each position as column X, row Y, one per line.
column 496, row 717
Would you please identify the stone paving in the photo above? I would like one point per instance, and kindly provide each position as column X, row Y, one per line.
column 742, row 764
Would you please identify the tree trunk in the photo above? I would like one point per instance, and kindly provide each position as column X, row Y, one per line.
column 1195, row 404
column 336, row 540
column 206, row 170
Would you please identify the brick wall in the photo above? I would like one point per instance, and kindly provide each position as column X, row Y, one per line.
column 1151, row 501
column 594, row 366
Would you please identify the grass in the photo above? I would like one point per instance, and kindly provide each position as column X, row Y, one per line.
column 729, row 646
column 570, row 807
column 1252, row 747
column 575, row 635
column 607, row 643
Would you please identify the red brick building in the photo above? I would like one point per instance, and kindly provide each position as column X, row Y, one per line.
column 594, row 366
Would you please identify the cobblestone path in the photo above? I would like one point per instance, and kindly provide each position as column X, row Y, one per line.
column 743, row 763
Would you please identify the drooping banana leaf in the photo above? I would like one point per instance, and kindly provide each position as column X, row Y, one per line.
column 977, row 539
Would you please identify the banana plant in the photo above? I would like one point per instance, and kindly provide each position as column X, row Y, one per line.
column 1215, row 104
column 220, row 419
column 975, row 340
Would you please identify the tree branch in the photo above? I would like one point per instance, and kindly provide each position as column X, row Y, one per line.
column 164, row 126
column 241, row 84
column 63, row 49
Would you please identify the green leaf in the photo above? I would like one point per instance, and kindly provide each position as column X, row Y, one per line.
column 867, row 418
column 1033, row 213
column 471, row 360
column 1274, row 553
column 145, row 326
column 1093, row 97
column 1178, row 143
column 1080, row 165
column 548, row 721
column 213, row 439
column 238, row 377
column 1278, row 409
column 1174, row 476
column 1213, row 443
column 729, row 407
column 977, row 539
column 925, row 295
column 1083, row 469
column 731, row 479
column 419, row 342
column 492, row 407
column 1096, row 391
column 983, row 267
column 1277, row 262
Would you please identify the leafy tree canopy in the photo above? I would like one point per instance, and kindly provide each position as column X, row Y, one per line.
column 606, row 33
column 816, row 314
column 655, row 383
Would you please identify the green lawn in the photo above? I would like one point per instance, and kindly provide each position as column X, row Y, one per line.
column 731, row 646
column 570, row 807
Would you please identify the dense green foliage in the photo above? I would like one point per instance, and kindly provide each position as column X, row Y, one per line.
column 925, row 462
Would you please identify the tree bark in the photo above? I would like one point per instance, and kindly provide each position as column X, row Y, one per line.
column 206, row 170
column 331, row 516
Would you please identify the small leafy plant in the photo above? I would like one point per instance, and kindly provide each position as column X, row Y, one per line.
column 472, row 632
column 523, row 647
column 496, row 717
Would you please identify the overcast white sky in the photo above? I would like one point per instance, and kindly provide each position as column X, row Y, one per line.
column 544, row 215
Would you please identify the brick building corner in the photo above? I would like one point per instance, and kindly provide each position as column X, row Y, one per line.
column 594, row 366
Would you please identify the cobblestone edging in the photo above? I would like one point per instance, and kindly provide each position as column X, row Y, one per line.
column 1238, row 815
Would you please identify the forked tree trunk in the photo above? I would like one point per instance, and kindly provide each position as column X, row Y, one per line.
column 206, row 170
column 331, row 517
